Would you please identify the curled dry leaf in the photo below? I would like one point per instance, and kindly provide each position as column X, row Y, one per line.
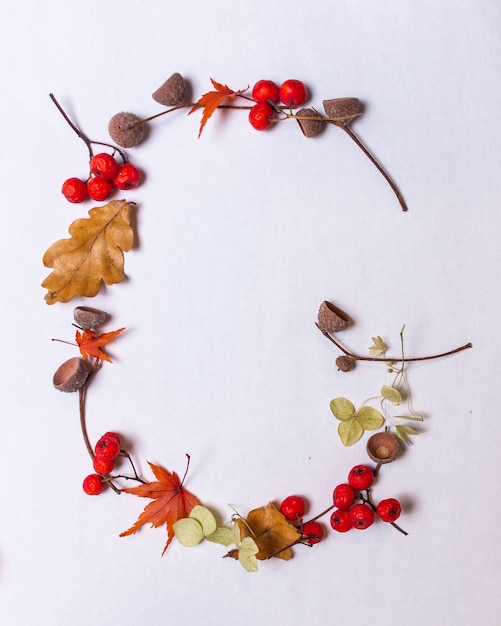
column 94, row 253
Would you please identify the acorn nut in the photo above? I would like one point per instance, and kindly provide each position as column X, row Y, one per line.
column 331, row 319
column 172, row 92
column 126, row 129
column 310, row 128
column 88, row 318
column 345, row 108
column 71, row 375
column 383, row 447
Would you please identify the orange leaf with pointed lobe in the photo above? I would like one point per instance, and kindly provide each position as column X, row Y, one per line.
column 211, row 100
column 171, row 502
column 91, row 345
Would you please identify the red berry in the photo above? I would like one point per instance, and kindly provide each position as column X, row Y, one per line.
column 292, row 508
column 111, row 435
column 74, row 190
column 343, row 496
column 265, row 91
column 389, row 510
column 103, row 466
column 361, row 477
column 107, row 448
column 93, row 485
column 99, row 188
column 341, row 520
column 293, row 93
column 361, row 516
column 127, row 177
column 104, row 166
column 314, row 532
column 261, row 116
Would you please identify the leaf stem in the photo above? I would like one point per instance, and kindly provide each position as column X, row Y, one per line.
column 357, row 357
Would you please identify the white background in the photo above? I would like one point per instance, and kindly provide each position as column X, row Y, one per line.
column 241, row 236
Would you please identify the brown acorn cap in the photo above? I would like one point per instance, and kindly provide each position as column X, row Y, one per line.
column 383, row 447
column 71, row 375
column 347, row 108
column 331, row 319
column 88, row 318
column 126, row 130
column 172, row 92
column 310, row 128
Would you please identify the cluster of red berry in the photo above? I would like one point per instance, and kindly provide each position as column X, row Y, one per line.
column 105, row 175
column 105, row 452
column 293, row 509
column 267, row 94
column 360, row 515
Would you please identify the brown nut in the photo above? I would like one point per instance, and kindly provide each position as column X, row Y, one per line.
column 344, row 108
column 126, row 129
column 172, row 92
column 71, row 375
column 345, row 363
column 88, row 318
column 331, row 319
column 383, row 447
column 310, row 127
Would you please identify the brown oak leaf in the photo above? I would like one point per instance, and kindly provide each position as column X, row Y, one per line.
column 171, row 502
column 211, row 100
column 271, row 532
column 93, row 254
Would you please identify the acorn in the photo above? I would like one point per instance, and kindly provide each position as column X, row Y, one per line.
column 88, row 318
column 313, row 127
column 383, row 447
column 345, row 363
column 172, row 92
column 126, row 129
column 331, row 319
column 71, row 375
column 346, row 108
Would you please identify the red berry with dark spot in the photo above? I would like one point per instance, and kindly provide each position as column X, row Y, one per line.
column 293, row 93
column 261, row 116
column 343, row 496
column 74, row 190
column 361, row 477
column 99, row 188
column 107, row 448
column 341, row 520
column 93, row 485
column 104, row 166
column 265, row 91
column 292, row 508
column 127, row 177
column 389, row 510
column 361, row 516
column 314, row 532
column 103, row 466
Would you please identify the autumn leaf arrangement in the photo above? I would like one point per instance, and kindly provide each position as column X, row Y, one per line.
column 94, row 254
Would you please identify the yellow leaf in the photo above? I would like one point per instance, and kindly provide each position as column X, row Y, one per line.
column 94, row 253
column 350, row 431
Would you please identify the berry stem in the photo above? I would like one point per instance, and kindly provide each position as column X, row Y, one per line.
column 386, row 360
column 82, row 395
column 368, row 154
column 324, row 512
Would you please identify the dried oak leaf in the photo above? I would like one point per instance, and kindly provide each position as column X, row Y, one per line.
column 271, row 532
column 211, row 100
column 91, row 345
column 93, row 254
column 171, row 502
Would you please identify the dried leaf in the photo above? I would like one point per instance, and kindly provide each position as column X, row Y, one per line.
column 171, row 502
column 91, row 344
column 247, row 554
column 93, row 254
column 378, row 347
column 211, row 100
column 369, row 418
column 342, row 409
column 403, row 433
column 200, row 523
column 270, row 530
column 391, row 394
column 222, row 535
column 350, row 431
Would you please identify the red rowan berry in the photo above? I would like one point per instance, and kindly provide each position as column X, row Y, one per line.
column 265, row 91
column 361, row 477
column 74, row 190
column 293, row 93
column 127, row 177
column 103, row 466
column 93, row 485
column 314, row 532
column 389, row 510
column 362, row 516
column 99, row 188
column 107, row 448
column 341, row 520
column 261, row 116
column 292, row 508
column 343, row 496
column 104, row 166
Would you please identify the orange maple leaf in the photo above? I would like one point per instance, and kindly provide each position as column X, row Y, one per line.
column 211, row 100
column 91, row 344
column 171, row 501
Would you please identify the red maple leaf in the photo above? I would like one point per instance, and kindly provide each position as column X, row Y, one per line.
column 91, row 344
column 211, row 100
column 171, row 501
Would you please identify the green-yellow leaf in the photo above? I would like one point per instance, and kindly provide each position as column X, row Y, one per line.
column 369, row 418
column 222, row 535
column 342, row 409
column 404, row 431
column 378, row 347
column 350, row 431
column 205, row 518
column 247, row 554
column 391, row 394
column 188, row 531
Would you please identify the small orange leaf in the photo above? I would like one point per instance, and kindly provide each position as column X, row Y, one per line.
column 91, row 344
column 171, row 502
column 211, row 100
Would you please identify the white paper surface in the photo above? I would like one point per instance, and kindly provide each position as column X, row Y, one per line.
column 241, row 236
